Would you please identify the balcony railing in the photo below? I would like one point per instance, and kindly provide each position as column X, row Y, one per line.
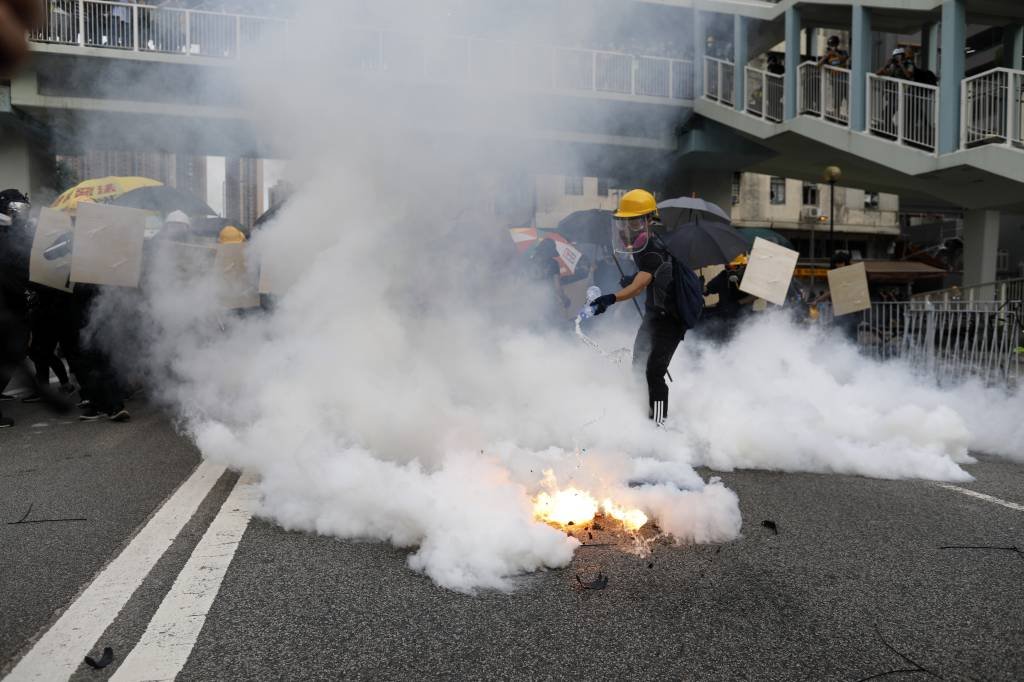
column 191, row 33
column 825, row 92
column 903, row 111
column 764, row 94
column 991, row 108
column 718, row 81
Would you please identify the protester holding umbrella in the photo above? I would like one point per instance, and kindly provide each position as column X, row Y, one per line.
column 660, row 332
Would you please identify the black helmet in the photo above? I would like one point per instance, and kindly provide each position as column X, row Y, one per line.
column 15, row 206
column 833, row 41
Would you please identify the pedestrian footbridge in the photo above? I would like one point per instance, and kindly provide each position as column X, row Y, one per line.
column 957, row 144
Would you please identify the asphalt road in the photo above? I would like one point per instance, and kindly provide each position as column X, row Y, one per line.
column 855, row 584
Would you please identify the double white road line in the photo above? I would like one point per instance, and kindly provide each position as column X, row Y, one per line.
column 168, row 641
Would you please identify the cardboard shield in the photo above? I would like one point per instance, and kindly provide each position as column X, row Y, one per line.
column 849, row 289
column 769, row 271
column 108, row 245
column 52, row 227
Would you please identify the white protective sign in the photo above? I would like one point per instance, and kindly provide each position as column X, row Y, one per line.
column 769, row 271
column 108, row 245
column 848, row 287
column 52, row 226
column 569, row 254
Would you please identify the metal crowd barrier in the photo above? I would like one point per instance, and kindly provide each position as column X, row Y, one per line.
column 949, row 341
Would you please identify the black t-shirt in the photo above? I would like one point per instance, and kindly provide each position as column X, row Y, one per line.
column 649, row 260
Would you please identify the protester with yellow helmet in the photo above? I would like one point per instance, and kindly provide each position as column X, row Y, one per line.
column 660, row 333
column 230, row 235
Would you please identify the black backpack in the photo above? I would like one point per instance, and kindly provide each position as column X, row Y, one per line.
column 678, row 291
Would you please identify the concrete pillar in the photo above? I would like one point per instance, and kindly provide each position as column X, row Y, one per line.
column 981, row 246
column 25, row 164
column 233, row 189
column 813, row 38
column 951, row 68
column 860, row 66
column 1013, row 46
column 699, row 46
column 740, row 57
column 929, row 58
column 789, row 84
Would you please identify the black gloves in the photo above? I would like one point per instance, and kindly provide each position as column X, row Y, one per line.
column 626, row 280
column 601, row 303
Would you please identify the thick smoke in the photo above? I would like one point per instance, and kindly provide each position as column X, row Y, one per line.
column 407, row 388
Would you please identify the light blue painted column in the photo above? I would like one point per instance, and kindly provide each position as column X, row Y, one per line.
column 792, row 62
column 860, row 66
column 951, row 68
column 1013, row 46
column 739, row 60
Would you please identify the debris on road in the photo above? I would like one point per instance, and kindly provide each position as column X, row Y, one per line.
column 106, row 659
column 24, row 519
column 770, row 525
column 1013, row 548
column 598, row 583
column 918, row 668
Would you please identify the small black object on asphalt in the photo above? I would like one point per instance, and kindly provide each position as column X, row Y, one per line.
column 598, row 583
column 770, row 525
column 106, row 659
column 650, row 565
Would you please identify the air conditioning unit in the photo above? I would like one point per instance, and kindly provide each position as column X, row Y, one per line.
column 810, row 213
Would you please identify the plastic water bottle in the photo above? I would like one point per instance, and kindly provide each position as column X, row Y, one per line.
column 587, row 311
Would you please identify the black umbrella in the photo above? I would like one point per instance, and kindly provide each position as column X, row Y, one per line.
column 164, row 199
column 593, row 226
column 701, row 244
column 676, row 212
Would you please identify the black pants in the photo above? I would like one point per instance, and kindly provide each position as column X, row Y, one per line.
column 656, row 343
column 45, row 335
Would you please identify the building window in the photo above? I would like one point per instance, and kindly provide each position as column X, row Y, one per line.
column 871, row 200
column 778, row 191
column 810, row 194
column 602, row 187
column 736, row 189
column 574, row 185
column 1002, row 260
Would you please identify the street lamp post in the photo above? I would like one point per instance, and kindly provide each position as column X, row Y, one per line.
column 832, row 175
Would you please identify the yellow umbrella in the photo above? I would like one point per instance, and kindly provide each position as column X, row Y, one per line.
column 100, row 190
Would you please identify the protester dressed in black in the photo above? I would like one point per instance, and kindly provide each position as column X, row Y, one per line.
column 660, row 331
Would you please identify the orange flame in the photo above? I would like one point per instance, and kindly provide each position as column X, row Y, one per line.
column 572, row 506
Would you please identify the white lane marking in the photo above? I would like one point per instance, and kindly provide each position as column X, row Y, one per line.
column 167, row 643
column 60, row 651
column 982, row 496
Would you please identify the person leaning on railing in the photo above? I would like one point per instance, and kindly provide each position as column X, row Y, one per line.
column 834, row 56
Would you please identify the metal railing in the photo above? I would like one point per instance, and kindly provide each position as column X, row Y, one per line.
column 718, row 81
column 143, row 28
column 809, row 92
column 903, row 111
column 948, row 341
column 825, row 92
column 991, row 108
column 1004, row 291
column 764, row 94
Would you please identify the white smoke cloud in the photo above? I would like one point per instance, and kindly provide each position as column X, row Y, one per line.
column 404, row 389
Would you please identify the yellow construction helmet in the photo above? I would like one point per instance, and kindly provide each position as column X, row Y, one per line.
column 635, row 203
column 230, row 235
